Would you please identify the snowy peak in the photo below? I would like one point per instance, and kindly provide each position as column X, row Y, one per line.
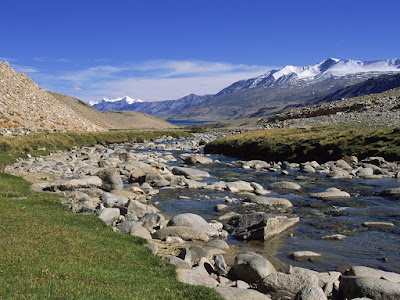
column 122, row 100
column 329, row 67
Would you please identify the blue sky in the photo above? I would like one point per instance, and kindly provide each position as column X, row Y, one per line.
column 165, row 49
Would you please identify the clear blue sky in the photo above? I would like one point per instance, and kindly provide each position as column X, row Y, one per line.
column 164, row 49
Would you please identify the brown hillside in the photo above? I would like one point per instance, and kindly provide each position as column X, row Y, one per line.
column 136, row 120
column 24, row 107
column 113, row 119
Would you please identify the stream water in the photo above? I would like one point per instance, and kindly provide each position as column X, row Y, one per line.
column 373, row 247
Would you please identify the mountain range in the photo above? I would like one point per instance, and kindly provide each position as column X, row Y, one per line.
column 266, row 94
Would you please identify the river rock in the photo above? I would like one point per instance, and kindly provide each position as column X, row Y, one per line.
column 259, row 226
column 310, row 292
column 217, row 243
column 304, row 255
column 285, row 185
column 194, row 277
column 185, row 232
column 190, row 173
column 378, row 224
column 269, row 201
column 231, row 293
column 331, row 193
column 374, row 288
column 111, row 179
column 179, row 263
column 109, row 215
column 291, row 283
column 362, row 271
column 196, row 159
column 153, row 221
column 334, row 237
column 220, row 265
column 239, row 186
column 138, row 230
column 111, row 200
column 139, row 209
column 153, row 247
column 391, row 192
column 363, row 172
column 195, row 221
column 74, row 184
column 252, row 267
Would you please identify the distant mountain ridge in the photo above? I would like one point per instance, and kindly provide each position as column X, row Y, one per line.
column 270, row 92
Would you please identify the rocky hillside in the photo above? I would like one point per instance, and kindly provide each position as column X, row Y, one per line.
column 374, row 109
column 25, row 107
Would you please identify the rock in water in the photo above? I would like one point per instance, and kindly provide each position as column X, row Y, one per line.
column 259, row 226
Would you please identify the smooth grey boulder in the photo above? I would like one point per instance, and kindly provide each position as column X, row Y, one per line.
column 239, row 186
column 285, row 185
column 140, row 231
column 196, row 159
column 198, row 253
column 194, row 277
column 153, row 221
column 109, row 215
column 268, row 201
column 291, row 283
column 185, row 232
column 365, row 172
column 111, row 179
column 252, row 267
column 331, row 193
column 258, row 226
column 217, row 243
column 304, row 255
column 73, row 184
column 195, row 221
column 362, row 271
column 190, row 173
column 310, row 292
column 231, row 293
column 374, row 288
column 139, row 209
column 111, row 200
column 179, row 263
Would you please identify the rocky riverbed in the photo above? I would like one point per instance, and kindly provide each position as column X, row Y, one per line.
column 250, row 229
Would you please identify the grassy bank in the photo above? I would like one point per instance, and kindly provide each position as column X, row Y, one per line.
column 17, row 146
column 318, row 143
column 49, row 252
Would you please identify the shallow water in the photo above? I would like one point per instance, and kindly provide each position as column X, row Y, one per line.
column 373, row 247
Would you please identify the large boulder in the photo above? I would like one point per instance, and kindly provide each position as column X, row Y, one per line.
column 195, row 221
column 291, row 283
column 111, row 179
column 374, row 288
column 258, row 226
column 252, row 267
column 196, row 159
column 185, row 232
column 239, row 186
column 139, row 209
column 190, row 173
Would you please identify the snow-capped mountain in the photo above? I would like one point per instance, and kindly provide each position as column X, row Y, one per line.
column 126, row 100
column 270, row 92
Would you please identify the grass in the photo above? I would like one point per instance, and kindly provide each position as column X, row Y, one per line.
column 49, row 252
column 317, row 143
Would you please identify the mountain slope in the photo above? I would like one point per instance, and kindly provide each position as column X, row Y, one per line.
column 290, row 85
column 24, row 107
column 114, row 119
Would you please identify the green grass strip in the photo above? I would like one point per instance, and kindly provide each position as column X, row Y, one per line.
column 49, row 252
column 318, row 143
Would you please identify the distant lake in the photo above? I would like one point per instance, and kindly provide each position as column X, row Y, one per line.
column 187, row 122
